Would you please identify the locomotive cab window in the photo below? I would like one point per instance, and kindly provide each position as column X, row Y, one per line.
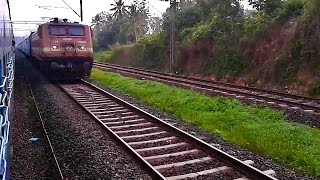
column 57, row 31
column 76, row 31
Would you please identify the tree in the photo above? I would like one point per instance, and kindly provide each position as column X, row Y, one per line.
column 155, row 24
column 269, row 6
column 120, row 10
column 138, row 15
column 104, row 30
column 223, row 8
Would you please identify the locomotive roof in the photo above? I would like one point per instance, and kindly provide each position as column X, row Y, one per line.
column 63, row 24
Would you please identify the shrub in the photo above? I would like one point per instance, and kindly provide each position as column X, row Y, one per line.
column 103, row 56
column 315, row 90
column 292, row 8
column 201, row 31
column 257, row 24
column 154, row 51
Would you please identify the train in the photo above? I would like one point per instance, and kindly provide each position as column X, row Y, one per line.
column 7, row 56
column 61, row 49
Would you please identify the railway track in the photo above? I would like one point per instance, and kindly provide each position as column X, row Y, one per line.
column 165, row 151
column 284, row 100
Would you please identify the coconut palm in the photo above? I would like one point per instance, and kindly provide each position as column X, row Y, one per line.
column 138, row 15
column 120, row 10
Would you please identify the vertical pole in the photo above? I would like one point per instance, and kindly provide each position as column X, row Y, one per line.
column 171, row 14
column 81, row 11
column 173, row 11
column 173, row 35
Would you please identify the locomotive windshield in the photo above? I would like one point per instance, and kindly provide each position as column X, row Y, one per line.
column 58, row 31
column 66, row 30
column 76, row 31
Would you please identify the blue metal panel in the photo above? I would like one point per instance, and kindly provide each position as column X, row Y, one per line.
column 6, row 86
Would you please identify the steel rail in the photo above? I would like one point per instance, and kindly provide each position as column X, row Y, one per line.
column 216, row 82
column 207, row 85
column 237, row 164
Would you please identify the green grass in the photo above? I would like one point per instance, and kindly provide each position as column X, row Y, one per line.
column 260, row 130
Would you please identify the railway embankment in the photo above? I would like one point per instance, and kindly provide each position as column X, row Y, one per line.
column 261, row 130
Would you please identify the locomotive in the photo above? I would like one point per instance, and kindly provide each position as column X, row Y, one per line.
column 61, row 49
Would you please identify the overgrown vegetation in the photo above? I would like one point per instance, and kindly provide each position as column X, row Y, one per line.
column 219, row 38
column 315, row 90
column 260, row 130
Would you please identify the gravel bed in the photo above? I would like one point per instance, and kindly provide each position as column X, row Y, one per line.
column 84, row 149
column 260, row 162
column 29, row 160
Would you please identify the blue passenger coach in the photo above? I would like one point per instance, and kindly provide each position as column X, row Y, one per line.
column 6, row 85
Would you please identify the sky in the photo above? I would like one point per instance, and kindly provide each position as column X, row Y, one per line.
column 38, row 10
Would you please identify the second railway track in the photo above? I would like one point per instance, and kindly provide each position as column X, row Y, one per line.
column 307, row 104
column 167, row 152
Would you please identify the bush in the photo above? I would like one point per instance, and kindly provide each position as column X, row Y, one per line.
column 154, row 51
column 103, row 56
column 292, row 8
column 315, row 90
column 257, row 24
column 201, row 31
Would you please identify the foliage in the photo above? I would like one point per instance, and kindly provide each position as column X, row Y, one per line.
column 315, row 90
column 257, row 24
column 138, row 18
column 126, row 25
column 202, row 31
column 220, row 23
column 155, row 25
column 120, row 9
column 225, row 8
column 293, row 8
column 103, row 56
column 268, row 6
column 190, row 17
column 284, row 70
column 154, row 47
column 260, row 130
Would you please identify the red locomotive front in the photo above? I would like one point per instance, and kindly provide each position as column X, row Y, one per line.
column 63, row 48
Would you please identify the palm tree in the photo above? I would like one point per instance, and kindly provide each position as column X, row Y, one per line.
column 138, row 16
column 119, row 9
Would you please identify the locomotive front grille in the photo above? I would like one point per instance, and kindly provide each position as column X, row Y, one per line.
column 69, row 48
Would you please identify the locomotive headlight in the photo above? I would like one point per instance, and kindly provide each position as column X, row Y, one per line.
column 81, row 47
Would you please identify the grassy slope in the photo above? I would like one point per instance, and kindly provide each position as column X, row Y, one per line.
column 261, row 130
